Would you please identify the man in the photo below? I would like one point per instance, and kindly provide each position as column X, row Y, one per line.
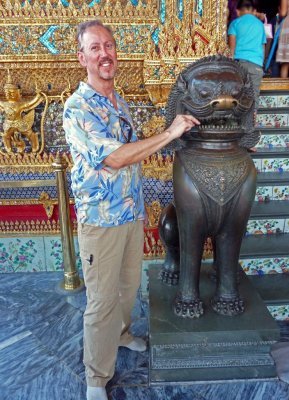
column 247, row 41
column 106, row 181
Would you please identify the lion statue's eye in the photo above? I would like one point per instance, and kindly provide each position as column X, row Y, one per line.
column 235, row 92
column 204, row 93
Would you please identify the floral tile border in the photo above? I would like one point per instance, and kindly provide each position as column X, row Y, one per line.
column 265, row 226
column 258, row 164
column 264, row 266
column 33, row 254
column 145, row 274
column 268, row 101
column 273, row 101
column 273, row 141
column 280, row 313
column 264, row 193
column 22, row 254
column 280, row 193
column 283, row 101
column 53, row 253
column 286, row 226
column 272, row 120
column 275, row 165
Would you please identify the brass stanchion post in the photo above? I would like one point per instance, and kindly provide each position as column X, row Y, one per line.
column 71, row 276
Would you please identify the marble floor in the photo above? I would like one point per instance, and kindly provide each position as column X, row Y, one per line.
column 41, row 351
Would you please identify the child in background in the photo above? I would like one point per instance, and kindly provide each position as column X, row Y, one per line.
column 247, row 41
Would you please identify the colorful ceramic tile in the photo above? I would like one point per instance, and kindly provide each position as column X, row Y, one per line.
column 262, row 266
column 53, row 253
column 272, row 120
column 77, row 255
column 263, row 193
column 286, row 140
column 145, row 274
column 282, row 101
column 275, row 165
column 265, row 226
column 258, row 164
column 280, row 313
column 268, row 101
column 22, row 254
column 286, row 226
column 272, row 141
column 280, row 193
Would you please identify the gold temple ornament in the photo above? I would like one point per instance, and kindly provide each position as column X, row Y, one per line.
column 19, row 119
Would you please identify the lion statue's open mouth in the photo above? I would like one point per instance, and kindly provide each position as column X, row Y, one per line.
column 218, row 92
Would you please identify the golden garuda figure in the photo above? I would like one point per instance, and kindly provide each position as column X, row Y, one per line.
column 19, row 118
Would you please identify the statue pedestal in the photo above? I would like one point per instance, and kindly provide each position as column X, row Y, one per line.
column 213, row 347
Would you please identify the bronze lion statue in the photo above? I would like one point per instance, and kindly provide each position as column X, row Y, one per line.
column 214, row 180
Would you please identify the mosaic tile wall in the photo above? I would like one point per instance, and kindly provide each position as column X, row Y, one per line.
column 33, row 254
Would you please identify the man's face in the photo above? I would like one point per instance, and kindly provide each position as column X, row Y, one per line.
column 98, row 53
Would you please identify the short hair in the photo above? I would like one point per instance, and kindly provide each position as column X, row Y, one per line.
column 245, row 4
column 84, row 26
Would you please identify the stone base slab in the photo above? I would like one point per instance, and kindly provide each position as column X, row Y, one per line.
column 213, row 347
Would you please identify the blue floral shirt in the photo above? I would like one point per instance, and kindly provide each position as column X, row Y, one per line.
column 94, row 129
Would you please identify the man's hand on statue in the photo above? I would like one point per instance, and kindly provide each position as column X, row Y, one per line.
column 182, row 124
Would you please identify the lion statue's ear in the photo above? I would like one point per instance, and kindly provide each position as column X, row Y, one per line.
column 182, row 84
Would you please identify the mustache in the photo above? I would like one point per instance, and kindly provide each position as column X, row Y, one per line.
column 104, row 59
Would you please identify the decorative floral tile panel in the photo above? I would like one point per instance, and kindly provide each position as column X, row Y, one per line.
column 272, row 141
column 286, row 226
column 275, row 165
column 272, row 120
column 280, row 193
column 263, row 193
column 282, row 101
column 280, row 313
column 268, row 101
column 265, row 226
column 77, row 255
column 263, row 266
column 145, row 274
column 286, row 140
column 23, row 254
column 53, row 253
column 258, row 164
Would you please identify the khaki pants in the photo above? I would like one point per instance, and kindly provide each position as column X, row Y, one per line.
column 111, row 262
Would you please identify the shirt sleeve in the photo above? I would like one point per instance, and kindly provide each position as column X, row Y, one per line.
column 264, row 39
column 88, row 136
column 232, row 29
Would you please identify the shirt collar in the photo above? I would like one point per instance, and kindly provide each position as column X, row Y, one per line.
column 87, row 92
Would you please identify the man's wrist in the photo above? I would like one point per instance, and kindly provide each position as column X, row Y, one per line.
column 167, row 133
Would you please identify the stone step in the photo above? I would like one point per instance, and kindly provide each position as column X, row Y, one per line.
column 273, row 288
column 261, row 246
column 273, row 131
column 273, row 110
column 264, row 152
column 265, row 210
column 273, row 178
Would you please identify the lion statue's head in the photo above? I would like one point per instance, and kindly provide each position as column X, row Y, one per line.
column 218, row 91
